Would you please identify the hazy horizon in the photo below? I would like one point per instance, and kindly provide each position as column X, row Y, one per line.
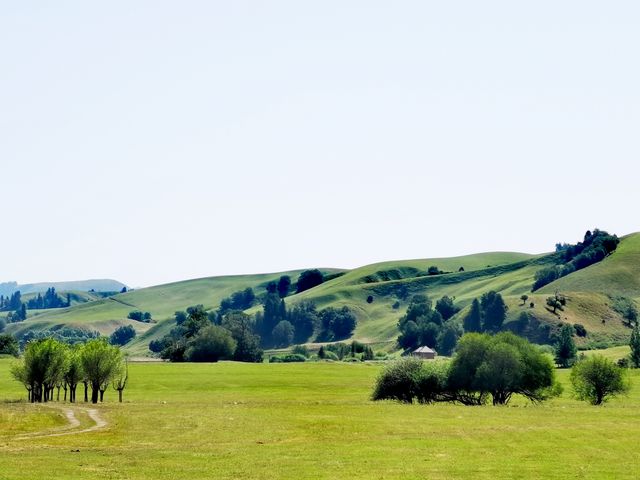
column 157, row 142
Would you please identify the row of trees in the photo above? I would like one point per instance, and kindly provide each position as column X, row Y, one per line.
column 48, row 365
column 18, row 308
column 49, row 300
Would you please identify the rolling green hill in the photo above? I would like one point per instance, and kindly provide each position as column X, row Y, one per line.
column 618, row 274
column 391, row 285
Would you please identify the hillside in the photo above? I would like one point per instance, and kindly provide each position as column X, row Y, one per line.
column 618, row 274
column 98, row 285
column 390, row 286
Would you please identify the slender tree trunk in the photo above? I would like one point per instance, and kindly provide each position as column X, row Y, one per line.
column 95, row 390
column 86, row 387
column 101, row 396
column 120, row 395
column 58, row 394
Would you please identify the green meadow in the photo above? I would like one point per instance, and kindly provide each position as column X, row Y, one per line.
column 314, row 420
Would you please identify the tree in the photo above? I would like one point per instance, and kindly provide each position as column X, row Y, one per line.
column 494, row 311
column 447, row 340
column 100, row 362
column 74, row 374
column 524, row 298
column 566, row 351
column 309, row 279
column 274, row 311
column 283, row 285
column 120, row 379
column 242, row 328
column 211, row 344
column 8, row 345
column 597, row 378
column 122, row 335
column 446, row 308
column 336, row 324
column 304, row 318
column 197, row 319
column 501, row 366
column 283, row 334
column 555, row 303
column 3, row 324
column 472, row 322
column 634, row 343
column 180, row 317
column 43, row 366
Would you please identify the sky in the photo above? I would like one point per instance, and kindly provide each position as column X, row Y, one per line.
column 155, row 141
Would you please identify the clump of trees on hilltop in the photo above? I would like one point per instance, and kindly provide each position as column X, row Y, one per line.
column 595, row 247
column 48, row 366
column 484, row 367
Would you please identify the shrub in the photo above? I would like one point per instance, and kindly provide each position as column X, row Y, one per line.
column 597, row 378
column 309, row 279
column 623, row 362
column 8, row 345
column 329, row 355
column 122, row 335
column 396, row 305
column 301, row 350
column 399, row 380
column 282, row 334
column 580, row 330
column 211, row 344
column 370, row 299
column 288, row 358
column 139, row 316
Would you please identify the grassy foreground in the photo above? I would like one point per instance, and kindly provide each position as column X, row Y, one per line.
column 280, row 421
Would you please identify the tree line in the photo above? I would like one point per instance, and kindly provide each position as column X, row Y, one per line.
column 48, row 366
column 18, row 308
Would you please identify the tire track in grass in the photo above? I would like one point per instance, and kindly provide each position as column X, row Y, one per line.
column 72, row 424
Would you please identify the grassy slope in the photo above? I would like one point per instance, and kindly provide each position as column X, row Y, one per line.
column 105, row 315
column 292, row 421
column 618, row 274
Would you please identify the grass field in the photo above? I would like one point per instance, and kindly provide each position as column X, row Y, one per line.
column 282, row 421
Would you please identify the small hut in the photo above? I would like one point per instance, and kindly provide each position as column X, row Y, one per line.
column 425, row 353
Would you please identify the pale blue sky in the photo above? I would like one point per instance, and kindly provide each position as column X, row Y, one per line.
column 157, row 141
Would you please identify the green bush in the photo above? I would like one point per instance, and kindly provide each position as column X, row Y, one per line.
column 288, row 358
column 596, row 378
column 329, row 355
column 399, row 380
column 581, row 331
column 301, row 350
